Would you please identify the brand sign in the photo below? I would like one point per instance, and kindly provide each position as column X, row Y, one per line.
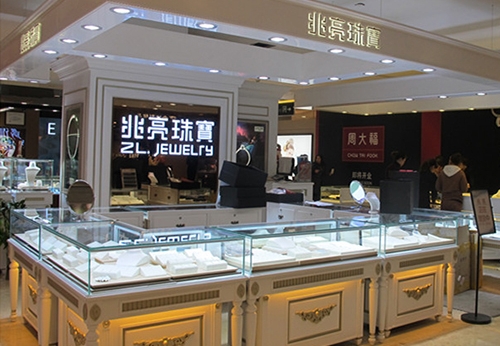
column 31, row 38
column 363, row 144
column 337, row 29
column 163, row 135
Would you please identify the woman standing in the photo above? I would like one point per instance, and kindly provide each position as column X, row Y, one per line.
column 452, row 183
column 318, row 169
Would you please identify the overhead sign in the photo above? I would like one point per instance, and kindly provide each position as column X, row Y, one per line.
column 337, row 29
column 31, row 38
column 363, row 144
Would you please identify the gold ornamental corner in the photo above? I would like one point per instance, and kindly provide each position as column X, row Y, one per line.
column 166, row 341
column 78, row 337
column 316, row 315
column 417, row 292
column 33, row 294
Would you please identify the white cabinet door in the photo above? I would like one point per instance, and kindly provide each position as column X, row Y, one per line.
column 233, row 216
column 177, row 218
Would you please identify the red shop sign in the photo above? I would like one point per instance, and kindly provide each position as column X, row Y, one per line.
column 363, row 144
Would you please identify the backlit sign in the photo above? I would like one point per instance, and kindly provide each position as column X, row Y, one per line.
column 337, row 29
column 31, row 38
column 163, row 135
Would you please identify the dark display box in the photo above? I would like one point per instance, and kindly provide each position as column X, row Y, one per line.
column 294, row 198
column 242, row 197
column 237, row 175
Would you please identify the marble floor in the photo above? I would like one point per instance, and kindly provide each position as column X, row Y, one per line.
column 425, row 333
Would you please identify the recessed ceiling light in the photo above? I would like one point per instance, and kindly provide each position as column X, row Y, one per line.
column 334, row 78
column 366, row 114
column 34, row 81
column 344, row 112
column 55, row 111
column 369, row 73
column 37, row 109
column 24, row 103
column 441, row 110
column 443, row 96
column 263, row 77
column 124, row 105
column 277, row 39
column 206, row 26
column 68, row 40
column 50, row 51
column 155, row 109
column 471, row 109
column 99, row 56
column 45, row 104
column 4, row 78
column 389, row 112
column 158, row 106
column 428, row 69
column 121, row 10
column 303, row 83
column 387, row 61
column 414, row 111
column 173, row 104
column 159, row 63
column 214, row 71
column 336, row 50
column 481, row 94
column 91, row 27
column 408, row 99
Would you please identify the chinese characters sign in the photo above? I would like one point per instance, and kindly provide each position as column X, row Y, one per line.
column 338, row 29
column 31, row 38
column 153, row 134
column 483, row 212
column 363, row 144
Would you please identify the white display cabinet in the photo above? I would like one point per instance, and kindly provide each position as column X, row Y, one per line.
column 5, row 174
column 415, row 251
column 108, row 276
column 307, row 280
column 31, row 174
column 191, row 215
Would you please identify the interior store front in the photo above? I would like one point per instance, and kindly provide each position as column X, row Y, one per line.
column 149, row 103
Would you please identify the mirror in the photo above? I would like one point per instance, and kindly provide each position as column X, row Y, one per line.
column 357, row 191
column 359, row 195
column 80, row 197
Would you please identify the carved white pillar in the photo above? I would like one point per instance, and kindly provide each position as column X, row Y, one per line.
column 450, row 288
column 250, row 321
column 372, row 310
column 44, row 305
column 14, row 288
column 236, row 323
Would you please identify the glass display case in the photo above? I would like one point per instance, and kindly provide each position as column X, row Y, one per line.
column 419, row 230
column 31, row 174
column 97, row 253
column 286, row 244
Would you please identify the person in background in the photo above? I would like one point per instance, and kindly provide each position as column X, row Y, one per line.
column 429, row 171
column 452, row 183
column 318, row 170
column 398, row 161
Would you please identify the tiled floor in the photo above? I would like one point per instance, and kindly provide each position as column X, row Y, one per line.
column 426, row 333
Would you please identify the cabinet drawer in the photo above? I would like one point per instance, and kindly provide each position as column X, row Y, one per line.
column 415, row 294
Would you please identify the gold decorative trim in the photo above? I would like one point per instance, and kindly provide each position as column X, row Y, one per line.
column 420, row 261
column 417, row 292
column 316, row 315
column 166, row 341
column 106, row 324
column 240, row 291
column 388, row 267
column 72, row 299
column 455, row 256
column 95, row 312
column 317, row 278
column 33, row 293
column 78, row 337
column 378, row 269
column 255, row 288
column 166, row 301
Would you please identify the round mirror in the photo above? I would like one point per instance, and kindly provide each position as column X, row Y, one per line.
column 80, row 197
column 357, row 191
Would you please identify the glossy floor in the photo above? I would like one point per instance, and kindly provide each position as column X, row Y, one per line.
column 425, row 333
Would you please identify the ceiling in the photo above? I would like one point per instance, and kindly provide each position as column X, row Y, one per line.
column 247, row 53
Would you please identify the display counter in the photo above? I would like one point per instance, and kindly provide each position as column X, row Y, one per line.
column 304, row 187
column 118, row 274
column 307, row 280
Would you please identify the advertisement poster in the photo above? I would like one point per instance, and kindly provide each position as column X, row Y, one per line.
column 251, row 142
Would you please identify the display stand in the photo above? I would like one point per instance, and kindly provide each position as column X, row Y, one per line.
column 483, row 214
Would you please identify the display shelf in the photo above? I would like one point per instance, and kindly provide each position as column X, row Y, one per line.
column 31, row 174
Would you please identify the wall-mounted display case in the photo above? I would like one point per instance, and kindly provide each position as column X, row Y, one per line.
column 32, row 175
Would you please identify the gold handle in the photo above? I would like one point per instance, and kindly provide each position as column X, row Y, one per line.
column 166, row 341
column 316, row 315
column 417, row 292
